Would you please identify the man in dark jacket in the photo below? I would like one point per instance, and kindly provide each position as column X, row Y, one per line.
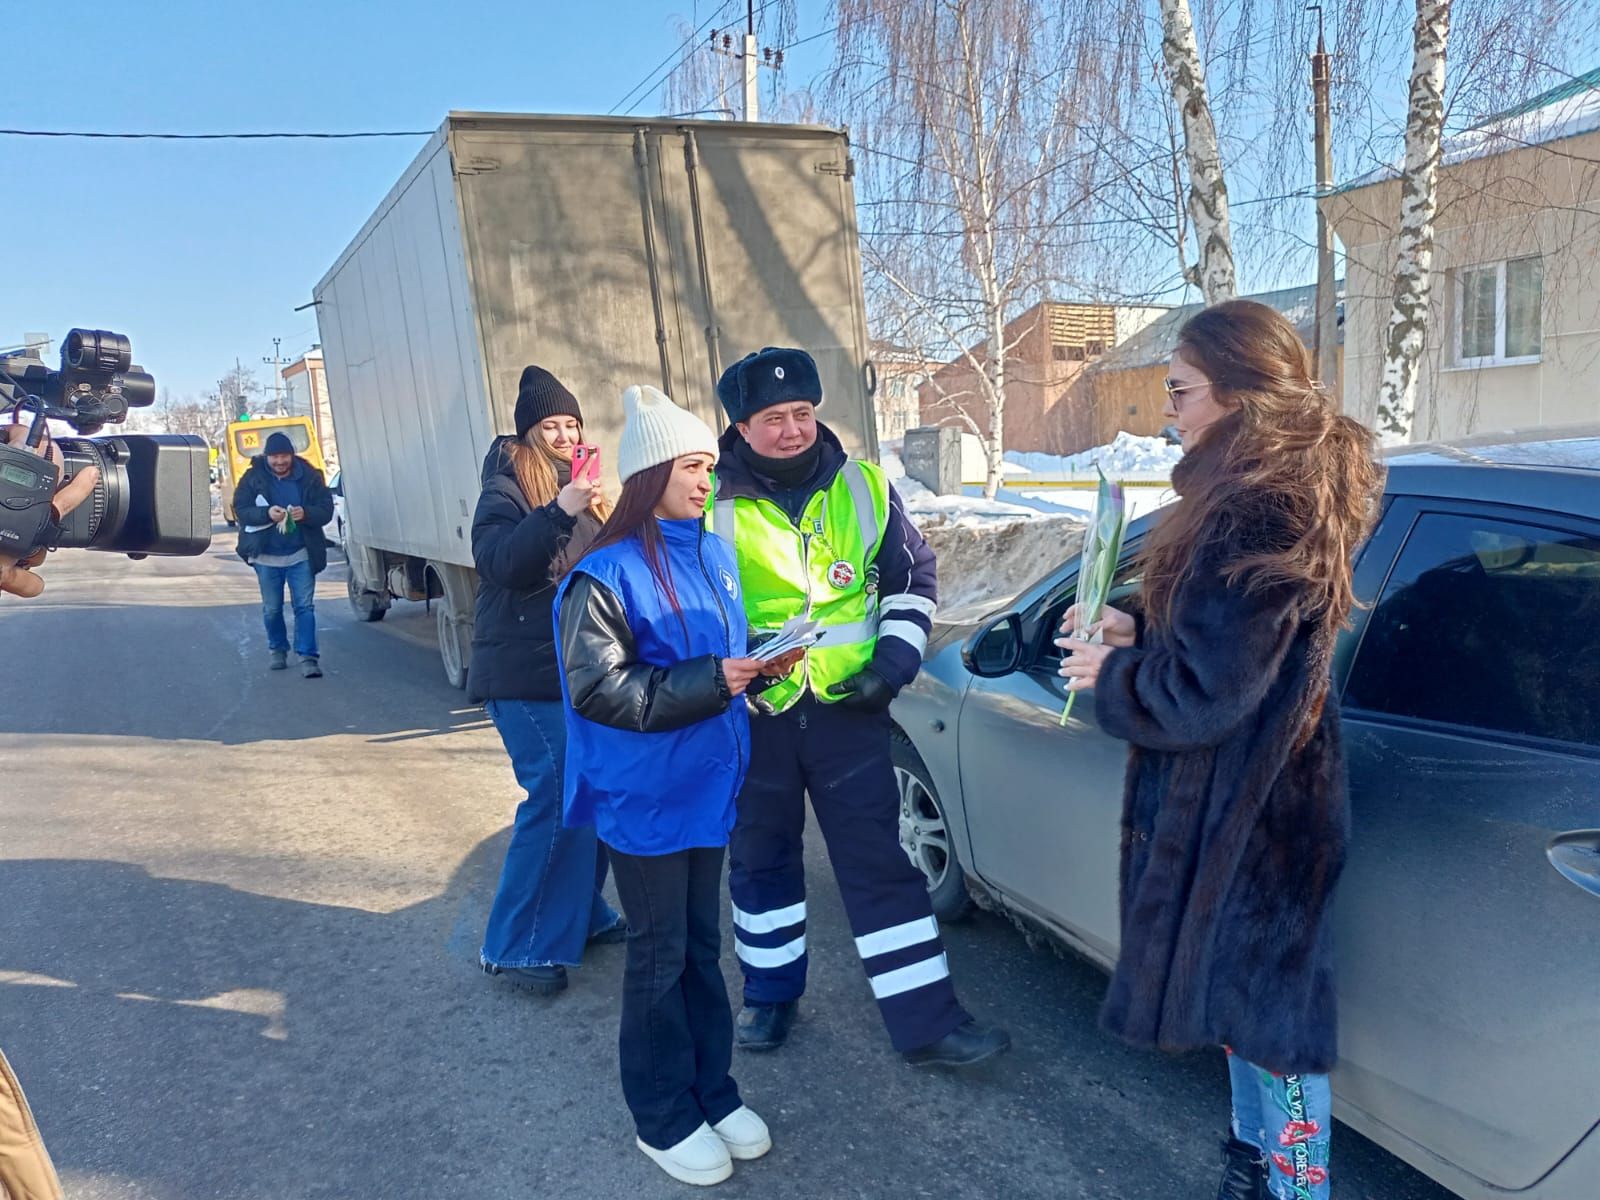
column 282, row 504
column 824, row 537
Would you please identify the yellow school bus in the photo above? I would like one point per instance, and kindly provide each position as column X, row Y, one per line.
column 248, row 440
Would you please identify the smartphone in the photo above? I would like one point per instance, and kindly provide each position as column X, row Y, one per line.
column 585, row 462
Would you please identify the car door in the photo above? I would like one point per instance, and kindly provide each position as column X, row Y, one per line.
column 1470, row 907
column 1043, row 802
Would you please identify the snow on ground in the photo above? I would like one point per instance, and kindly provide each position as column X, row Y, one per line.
column 990, row 550
column 1128, row 457
column 1141, row 459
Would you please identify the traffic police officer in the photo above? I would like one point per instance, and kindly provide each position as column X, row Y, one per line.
column 821, row 535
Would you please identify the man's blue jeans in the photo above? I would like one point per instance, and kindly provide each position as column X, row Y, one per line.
column 549, row 902
column 302, row 581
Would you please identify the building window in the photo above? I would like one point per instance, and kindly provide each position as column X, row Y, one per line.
column 1498, row 312
column 1059, row 353
column 1095, row 349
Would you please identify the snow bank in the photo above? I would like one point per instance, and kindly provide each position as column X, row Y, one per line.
column 1129, row 457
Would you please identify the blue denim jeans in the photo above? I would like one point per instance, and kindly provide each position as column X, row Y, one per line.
column 1290, row 1119
column 302, row 581
column 549, row 902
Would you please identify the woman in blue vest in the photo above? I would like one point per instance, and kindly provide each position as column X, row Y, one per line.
column 651, row 644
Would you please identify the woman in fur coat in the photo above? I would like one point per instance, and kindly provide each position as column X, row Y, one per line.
column 1235, row 809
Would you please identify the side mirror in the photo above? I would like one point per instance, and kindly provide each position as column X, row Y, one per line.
column 996, row 648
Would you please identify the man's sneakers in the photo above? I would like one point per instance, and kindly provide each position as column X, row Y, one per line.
column 311, row 668
column 764, row 1026
column 277, row 660
column 547, row 981
column 745, row 1134
column 964, row 1046
column 702, row 1158
column 612, row 935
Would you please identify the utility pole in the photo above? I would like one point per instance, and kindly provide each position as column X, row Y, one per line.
column 277, row 374
column 749, row 61
column 1325, row 338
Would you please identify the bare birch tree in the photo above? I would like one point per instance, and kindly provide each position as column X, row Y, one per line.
column 1212, row 271
column 966, row 116
column 1407, row 332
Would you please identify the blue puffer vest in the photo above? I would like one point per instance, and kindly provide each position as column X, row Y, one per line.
column 657, row 793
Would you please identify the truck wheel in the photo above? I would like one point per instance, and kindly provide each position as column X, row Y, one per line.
column 925, row 833
column 454, row 641
column 369, row 606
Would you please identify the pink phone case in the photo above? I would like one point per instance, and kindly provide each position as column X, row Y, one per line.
column 585, row 462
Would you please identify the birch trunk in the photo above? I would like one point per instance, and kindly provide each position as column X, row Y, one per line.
column 1213, row 274
column 1407, row 332
column 995, row 444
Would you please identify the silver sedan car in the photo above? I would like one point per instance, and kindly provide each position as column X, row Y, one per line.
column 1468, row 915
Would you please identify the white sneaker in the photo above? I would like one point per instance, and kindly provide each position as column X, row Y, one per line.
column 700, row 1159
column 745, row 1134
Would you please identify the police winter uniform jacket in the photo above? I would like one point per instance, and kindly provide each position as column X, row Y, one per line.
column 906, row 569
column 656, row 746
column 514, row 547
column 1235, row 815
column 254, row 522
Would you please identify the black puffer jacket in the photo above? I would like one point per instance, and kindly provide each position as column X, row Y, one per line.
column 514, row 546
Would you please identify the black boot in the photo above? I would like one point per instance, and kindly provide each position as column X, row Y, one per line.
column 1244, row 1172
column 764, row 1026
column 964, row 1046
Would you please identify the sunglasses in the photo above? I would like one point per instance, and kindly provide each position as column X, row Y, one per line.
column 1175, row 390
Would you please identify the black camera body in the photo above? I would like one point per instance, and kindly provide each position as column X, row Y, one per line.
column 153, row 495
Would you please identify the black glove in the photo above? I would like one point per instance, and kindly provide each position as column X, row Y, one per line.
column 865, row 691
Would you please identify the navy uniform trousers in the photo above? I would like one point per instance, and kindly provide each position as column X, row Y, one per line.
column 841, row 759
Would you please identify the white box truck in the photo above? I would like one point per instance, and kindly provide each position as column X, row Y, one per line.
column 611, row 251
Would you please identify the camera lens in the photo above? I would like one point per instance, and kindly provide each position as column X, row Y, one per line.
column 98, row 350
column 153, row 496
column 103, row 510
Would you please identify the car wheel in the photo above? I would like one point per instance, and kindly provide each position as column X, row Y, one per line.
column 925, row 832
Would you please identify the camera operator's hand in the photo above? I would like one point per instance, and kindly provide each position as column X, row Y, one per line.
column 15, row 577
column 277, row 513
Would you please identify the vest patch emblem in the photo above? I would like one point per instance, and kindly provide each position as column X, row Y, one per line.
column 731, row 584
column 842, row 574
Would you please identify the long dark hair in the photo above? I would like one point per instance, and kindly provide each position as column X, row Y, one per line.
column 1283, row 457
column 635, row 516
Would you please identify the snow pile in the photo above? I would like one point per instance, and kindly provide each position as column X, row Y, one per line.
column 1128, row 457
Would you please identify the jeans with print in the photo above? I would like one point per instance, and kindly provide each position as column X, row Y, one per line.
column 302, row 581
column 1290, row 1119
column 549, row 902
column 676, row 1043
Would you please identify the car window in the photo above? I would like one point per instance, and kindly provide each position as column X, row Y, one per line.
column 1043, row 623
column 1490, row 625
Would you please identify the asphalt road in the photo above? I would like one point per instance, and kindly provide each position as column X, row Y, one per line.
column 239, row 920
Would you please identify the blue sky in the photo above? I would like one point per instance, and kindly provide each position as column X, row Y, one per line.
column 201, row 250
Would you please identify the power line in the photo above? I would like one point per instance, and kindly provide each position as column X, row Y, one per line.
column 210, row 137
column 812, row 38
column 644, row 84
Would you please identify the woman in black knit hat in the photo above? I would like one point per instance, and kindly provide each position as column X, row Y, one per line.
column 532, row 515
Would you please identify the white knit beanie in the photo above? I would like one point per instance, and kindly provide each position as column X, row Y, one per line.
column 655, row 430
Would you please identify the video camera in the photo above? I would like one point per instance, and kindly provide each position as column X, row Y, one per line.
column 153, row 495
